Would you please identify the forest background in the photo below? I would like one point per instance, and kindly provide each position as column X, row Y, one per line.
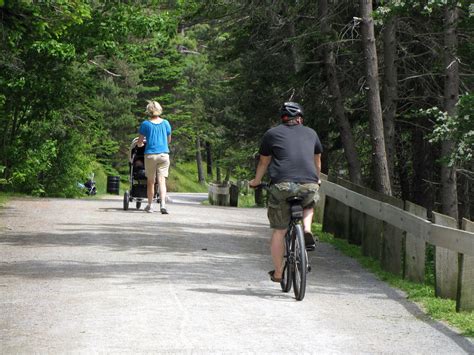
column 386, row 84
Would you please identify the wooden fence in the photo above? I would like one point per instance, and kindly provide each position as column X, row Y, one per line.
column 398, row 234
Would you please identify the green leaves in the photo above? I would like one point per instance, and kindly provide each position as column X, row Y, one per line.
column 458, row 128
column 53, row 48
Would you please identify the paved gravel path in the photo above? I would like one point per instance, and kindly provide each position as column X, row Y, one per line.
column 84, row 276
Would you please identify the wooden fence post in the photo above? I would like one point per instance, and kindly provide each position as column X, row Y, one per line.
column 357, row 220
column 465, row 294
column 372, row 242
column 446, row 263
column 415, row 248
column 320, row 205
column 342, row 220
column 330, row 213
column 393, row 239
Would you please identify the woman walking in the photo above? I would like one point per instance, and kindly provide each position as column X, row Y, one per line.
column 156, row 132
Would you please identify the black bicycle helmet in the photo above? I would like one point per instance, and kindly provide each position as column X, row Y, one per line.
column 291, row 109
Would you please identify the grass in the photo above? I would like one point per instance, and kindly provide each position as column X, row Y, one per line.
column 246, row 201
column 100, row 177
column 3, row 198
column 422, row 294
column 183, row 178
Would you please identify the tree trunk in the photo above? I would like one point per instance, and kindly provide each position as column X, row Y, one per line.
column 390, row 94
column 218, row 174
column 347, row 138
column 294, row 49
column 199, row 161
column 464, row 197
column 209, row 161
column 449, row 200
column 423, row 171
column 228, row 171
column 218, row 170
column 382, row 178
column 295, row 55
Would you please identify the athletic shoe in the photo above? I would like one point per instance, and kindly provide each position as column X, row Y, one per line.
column 309, row 241
column 149, row 209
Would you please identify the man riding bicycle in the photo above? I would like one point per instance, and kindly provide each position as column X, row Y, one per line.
column 291, row 153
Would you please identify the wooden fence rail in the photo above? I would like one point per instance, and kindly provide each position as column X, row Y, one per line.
column 396, row 233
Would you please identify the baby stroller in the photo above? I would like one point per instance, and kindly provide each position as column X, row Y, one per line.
column 137, row 178
column 89, row 186
column 91, row 190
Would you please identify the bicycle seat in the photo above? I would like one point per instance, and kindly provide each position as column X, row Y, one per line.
column 295, row 206
column 294, row 199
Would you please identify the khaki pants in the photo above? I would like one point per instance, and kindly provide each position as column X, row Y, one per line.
column 157, row 165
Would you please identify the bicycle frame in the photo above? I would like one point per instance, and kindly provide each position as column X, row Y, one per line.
column 296, row 257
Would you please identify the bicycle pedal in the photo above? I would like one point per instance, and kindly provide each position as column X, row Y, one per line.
column 309, row 268
column 311, row 247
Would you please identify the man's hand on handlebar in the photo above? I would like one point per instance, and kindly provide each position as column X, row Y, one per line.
column 257, row 184
column 254, row 183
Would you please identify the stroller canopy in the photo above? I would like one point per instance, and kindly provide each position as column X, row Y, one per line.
column 133, row 152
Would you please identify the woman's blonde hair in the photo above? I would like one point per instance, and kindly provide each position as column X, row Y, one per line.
column 154, row 108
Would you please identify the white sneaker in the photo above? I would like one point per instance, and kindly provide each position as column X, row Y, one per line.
column 149, row 209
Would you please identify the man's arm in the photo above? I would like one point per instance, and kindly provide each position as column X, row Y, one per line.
column 141, row 138
column 169, row 138
column 317, row 163
column 262, row 166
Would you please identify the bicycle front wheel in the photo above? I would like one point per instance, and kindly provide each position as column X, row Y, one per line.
column 299, row 275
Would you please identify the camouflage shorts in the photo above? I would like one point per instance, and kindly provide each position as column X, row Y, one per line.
column 279, row 210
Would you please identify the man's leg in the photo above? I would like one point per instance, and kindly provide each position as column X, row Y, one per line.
column 308, row 218
column 277, row 249
column 307, row 222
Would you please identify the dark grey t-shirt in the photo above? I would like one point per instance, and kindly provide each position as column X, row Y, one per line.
column 292, row 149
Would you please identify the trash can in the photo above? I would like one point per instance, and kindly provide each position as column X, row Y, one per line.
column 259, row 200
column 219, row 194
column 234, row 195
column 113, row 185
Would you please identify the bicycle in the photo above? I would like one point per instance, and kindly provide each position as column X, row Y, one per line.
column 296, row 257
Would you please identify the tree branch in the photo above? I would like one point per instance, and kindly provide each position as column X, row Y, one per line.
column 107, row 71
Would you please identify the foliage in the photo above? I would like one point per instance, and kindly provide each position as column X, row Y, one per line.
column 458, row 128
column 70, row 71
column 221, row 69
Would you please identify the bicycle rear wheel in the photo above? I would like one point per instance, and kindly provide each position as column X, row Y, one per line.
column 287, row 270
column 299, row 275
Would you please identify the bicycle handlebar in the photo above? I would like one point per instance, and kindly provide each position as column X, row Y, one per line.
column 263, row 185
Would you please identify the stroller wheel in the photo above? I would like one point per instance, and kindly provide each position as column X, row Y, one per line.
column 138, row 205
column 126, row 198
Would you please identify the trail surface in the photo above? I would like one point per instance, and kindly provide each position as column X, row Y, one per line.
column 86, row 276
